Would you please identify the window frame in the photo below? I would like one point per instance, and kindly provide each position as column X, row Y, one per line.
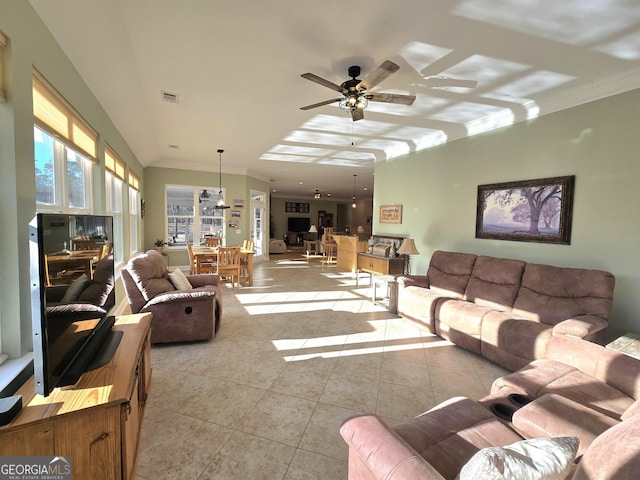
column 196, row 218
column 61, row 184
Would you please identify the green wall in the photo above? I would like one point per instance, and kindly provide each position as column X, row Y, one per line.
column 235, row 187
column 30, row 45
column 597, row 142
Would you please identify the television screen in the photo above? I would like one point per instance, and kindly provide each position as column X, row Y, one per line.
column 299, row 224
column 72, row 294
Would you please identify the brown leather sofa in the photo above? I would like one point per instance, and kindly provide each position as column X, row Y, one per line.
column 504, row 309
column 178, row 315
column 579, row 389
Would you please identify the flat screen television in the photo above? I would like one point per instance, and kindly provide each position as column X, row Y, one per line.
column 72, row 296
column 299, row 224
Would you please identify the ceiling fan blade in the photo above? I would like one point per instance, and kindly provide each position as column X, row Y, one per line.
column 378, row 75
column 439, row 82
column 391, row 98
column 320, row 104
column 357, row 114
column 325, row 83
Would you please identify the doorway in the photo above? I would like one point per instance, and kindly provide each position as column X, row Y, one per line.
column 258, row 206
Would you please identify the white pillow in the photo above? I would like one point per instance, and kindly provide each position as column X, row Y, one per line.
column 534, row 459
column 179, row 280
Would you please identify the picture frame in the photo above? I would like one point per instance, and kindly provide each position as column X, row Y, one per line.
column 238, row 203
column 235, row 213
column 232, row 224
column 391, row 214
column 537, row 210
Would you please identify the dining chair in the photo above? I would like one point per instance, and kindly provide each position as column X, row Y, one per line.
column 193, row 268
column 246, row 261
column 212, row 241
column 228, row 267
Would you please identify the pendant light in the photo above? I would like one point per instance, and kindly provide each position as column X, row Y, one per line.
column 353, row 205
column 220, row 205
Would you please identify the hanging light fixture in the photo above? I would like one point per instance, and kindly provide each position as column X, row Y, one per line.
column 317, row 194
column 353, row 205
column 220, row 205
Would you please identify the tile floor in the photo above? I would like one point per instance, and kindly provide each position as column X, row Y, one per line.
column 297, row 353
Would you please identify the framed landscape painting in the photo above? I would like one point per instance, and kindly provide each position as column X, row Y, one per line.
column 526, row 211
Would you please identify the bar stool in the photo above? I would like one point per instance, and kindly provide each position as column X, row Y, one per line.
column 330, row 252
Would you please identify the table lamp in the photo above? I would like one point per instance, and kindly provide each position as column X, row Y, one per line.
column 407, row 248
column 313, row 229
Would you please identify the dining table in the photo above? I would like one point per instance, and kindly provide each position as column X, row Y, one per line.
column 64, row 267
column 206, row 259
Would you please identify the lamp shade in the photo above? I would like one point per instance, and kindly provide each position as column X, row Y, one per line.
column 360, row 229
column 313, row 229
column 408, row 247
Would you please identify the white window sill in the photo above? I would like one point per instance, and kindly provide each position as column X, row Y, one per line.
column 10, row 369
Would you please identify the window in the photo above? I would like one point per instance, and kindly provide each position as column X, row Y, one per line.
column 65, row 150
column 114, row 177
column 191, row 214
column 63, row 176
column 134, row 209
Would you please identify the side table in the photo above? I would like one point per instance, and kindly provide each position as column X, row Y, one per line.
column 388, row 282
column 629, row 344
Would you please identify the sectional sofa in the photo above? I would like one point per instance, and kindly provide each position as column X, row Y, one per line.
column 505, row 309
column 580, row 394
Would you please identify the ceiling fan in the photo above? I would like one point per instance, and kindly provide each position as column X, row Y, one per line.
column 356, row 93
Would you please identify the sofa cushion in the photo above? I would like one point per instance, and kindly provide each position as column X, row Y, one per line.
column 150, row 274
column 450, row 433
column 495, row 282
column 533, row 459
column 75, row 289
column 531, row 378
column 589, row 391
column 449, row 272
column 102, row 283
column 634, row 409
column 614, row 454
column 553, row 415
column 460, row 322
column 552, row 294
column 522, row 338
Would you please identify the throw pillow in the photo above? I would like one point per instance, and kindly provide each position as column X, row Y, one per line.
column 179, row 280
column 75, row 289
column 534, row 459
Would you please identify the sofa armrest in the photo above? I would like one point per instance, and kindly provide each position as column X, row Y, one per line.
column 412, row 280
column 179, row 296
column 378, row 449
column 203, row 279
column 587, row 327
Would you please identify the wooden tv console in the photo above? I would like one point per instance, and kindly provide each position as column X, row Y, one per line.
column 96, row 421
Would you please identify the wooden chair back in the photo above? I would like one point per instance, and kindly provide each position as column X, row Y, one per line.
column 229, row 264
column 212, row 241
column 192, row 260
column 248, row 245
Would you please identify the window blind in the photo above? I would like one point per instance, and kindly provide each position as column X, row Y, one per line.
column 55, row 116
column 113, row 163
column 134, row 181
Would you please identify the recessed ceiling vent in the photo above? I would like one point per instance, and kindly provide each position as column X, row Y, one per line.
column 170, row 97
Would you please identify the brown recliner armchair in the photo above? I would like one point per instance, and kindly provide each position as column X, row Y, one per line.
column 178, row 315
